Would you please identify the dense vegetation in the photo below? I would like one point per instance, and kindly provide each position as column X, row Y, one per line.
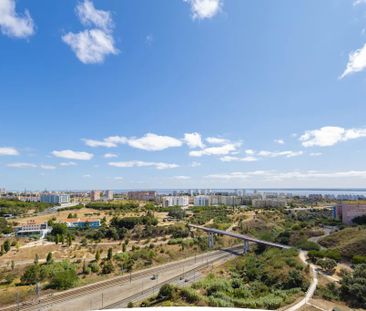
column 16, row 207
column 268, row 280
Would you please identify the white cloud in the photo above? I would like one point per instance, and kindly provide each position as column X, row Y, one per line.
column 89, row 15
column 195, row 164
column 68, row 163
column 279, row 141
column 109, row 142
column 87, row 176
column 330, row 135
column 221, row 150
column 91, row 46
column 47, row 167
column 217, row 140
column 22, row 165
column 272, row 175
column 182, row 177
column 97, row 143
column 12, row 24
column 8, row 151
column 356, row 62
column 118, row 178
column 358, row 2
column 153, row 142
column 275, row 154
column 193, row 140
column 250, row 151
column 315, row 154
column 110, row 155
column 73, row 155
column 149, row 142
column 239, row 159
column 202, row 9
column 157, row 165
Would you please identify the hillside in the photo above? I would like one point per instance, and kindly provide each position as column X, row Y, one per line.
column 349, row 241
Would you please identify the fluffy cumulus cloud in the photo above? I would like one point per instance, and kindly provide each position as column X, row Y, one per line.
column 149, row 142
column 193, row 140
column 330, row 135
column 203, row 9
column 8, row 151
column 92, row 46
column 356, row 62
column 73, row 155
column 90, row 16
column 217, row 140
column 157, row 165
column 13, row 24
column 219, row 150
column 153, row 142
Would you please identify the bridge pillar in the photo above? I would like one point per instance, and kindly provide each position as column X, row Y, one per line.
column 245, row 247
column 211, row 240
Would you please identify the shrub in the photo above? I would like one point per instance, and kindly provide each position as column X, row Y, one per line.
column 94, row 267
column 166, row 292
column 63, row 276
column 107, row 267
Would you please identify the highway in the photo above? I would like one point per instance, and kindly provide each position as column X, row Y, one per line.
column 120, row 290
column 240, row 236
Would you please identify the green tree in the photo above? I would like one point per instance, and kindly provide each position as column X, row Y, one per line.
column 110, row 254
column 124, row 247
column 36, row 259
column 107, row 267
column 63, row 276
column 353, row 286
column 69, row 240
column 97, row 255
column 49, row 259
column 31, row 275
column 327, row 264
column 6, row 246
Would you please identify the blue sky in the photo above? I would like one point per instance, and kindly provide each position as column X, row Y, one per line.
column 182, row 94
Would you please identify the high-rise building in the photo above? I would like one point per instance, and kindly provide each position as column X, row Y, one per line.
column 109, row 195
column 95, row 195
column 55, row 198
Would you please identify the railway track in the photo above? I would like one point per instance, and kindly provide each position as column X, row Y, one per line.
column 136, row 297
column 52, row 299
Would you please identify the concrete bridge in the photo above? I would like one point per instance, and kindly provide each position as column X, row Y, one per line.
column 245, row 238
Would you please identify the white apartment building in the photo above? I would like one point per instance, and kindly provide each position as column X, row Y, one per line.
column 175, row 201
column 55, row 198
column 202, row 200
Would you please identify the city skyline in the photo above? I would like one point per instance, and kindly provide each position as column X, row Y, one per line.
column 111, row 95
